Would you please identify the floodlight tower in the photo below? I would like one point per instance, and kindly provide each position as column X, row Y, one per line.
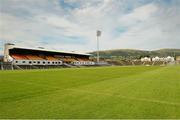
column 5, row 46
column 98, row 34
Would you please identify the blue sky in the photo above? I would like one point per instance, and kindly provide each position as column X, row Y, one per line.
column 72, row 24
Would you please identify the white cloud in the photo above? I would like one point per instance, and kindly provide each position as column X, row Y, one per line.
column 139, row 14
column 152, row 31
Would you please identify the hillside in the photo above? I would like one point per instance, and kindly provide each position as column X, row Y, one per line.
column 132, row 53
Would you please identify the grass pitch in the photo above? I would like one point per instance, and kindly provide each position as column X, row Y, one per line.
column 107, row 92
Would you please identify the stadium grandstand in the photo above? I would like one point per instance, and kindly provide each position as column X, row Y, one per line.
column 22, row 56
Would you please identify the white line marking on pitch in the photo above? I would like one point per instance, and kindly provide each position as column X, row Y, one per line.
column 130, row 98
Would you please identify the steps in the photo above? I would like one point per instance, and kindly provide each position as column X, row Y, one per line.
column 17, row 67
column 68, row 65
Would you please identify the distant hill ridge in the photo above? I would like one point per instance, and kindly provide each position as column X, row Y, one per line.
column 134, row 53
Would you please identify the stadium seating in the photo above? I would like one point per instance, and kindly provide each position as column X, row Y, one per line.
column 34, row 57
column 82, row 59
column 19, row 57
column 69, row 60
column 51, row 58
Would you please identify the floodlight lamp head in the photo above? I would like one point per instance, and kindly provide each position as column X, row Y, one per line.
column 98, row 33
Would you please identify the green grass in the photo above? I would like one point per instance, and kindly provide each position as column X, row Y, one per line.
column 107, row 92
